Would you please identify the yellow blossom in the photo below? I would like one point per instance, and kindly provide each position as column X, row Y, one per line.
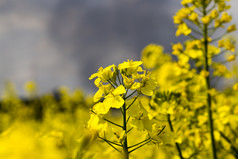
column 183, row 29
column 235, row 87
column 214, row 14
column 231, row 28
column 181, row 14
column 101, row 108
column 114, row 99
column 148, row 85
column 177, row 48
column 193, row 16
column 229, row 46
column 102, row 91
column 217, row 23
column 222, row 6
column 221, row 43
column 150, row 55
column 128, row 81
column 104, row 74
column 204, row 73
column 193, row 44
column 205, row 19
column 231, row 58
column 213, row 50
column 194, row 53
column 225, row 17
column 30, row 87
column 185, row 2
column 130, row 67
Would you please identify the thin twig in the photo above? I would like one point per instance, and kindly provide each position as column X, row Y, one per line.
column 112, row 122
column 111, row 84
column 109, row 141
column 229, row 141
column 113, row 146
column 131, row 94
column 139, row 146
column 132, row 102
column 128, row 119
column 130, row 129
column 177, row 145
column 140, row 142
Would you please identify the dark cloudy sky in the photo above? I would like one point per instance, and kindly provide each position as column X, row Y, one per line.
column 62, row 42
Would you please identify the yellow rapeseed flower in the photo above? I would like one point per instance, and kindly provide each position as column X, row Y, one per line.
column 183, row 29
column 185, row 2
column 104, row 74
column 181, row 14
column 114, row 99
column 204, row 73
column 229, row 46
column 231, row 28
column 225, row 17
column 231, row 58
column 235, row 87
column 148, row 85
column 217, row 23
column 150, row 55
column 130, row 67
column 177, row 48
column 221, row 43
column 30, row 87
column 222, row 6
column 205, row 19
column 193, row 16
column 128, row 82
column 214, row 14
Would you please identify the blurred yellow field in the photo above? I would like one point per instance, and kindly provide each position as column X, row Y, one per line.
column 166, row 106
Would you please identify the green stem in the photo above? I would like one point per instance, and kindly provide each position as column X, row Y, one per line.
column 234, row 149
column 109, row 141
column 125, row 145
column 113, row 123
column 130, row 129
column 140, row 146
column 111, row 84
column 131, row 94
column 112, row 145
column 108, row 120
column 177, row 145
column 128, row 119
column 133, row 101
column 209, row 103
column 140, row 143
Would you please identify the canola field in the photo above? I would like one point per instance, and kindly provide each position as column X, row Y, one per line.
column 165, row 106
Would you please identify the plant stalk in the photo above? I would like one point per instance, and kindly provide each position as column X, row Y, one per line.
column 125, row 145
column 209, row 103
column 177, row 145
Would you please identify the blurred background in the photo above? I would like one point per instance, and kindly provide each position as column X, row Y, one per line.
column 62, row 42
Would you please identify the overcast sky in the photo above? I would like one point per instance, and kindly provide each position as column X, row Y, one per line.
column 62, row 42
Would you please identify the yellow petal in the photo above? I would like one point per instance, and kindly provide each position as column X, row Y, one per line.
column 98, row 95
column 93, row 76
column 119, row 90
column 136, row 85
column 100, row 108
column 149, row 87
column 114, row 101
column 93, row 121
